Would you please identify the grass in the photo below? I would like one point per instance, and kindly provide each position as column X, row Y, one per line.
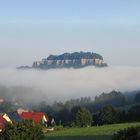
column 96, row 133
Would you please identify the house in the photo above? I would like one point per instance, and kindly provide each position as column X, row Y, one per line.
column 14, row 116
column 38, row 117
column 6, row 117
column 2, row 123
column 20, row 110
column 1, row 100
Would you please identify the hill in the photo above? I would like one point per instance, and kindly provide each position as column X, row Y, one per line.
column 70, row 60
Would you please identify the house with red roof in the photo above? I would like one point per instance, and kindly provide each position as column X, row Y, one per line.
column 2, row 123
column 38, row 117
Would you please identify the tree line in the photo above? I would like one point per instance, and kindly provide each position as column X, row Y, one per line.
column 110, row 108
column 107, row 108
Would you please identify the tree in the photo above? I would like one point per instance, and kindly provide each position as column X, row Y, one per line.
column 74, row 110
column 134, row 113
column 113, row 98
column 7, row 106
column 137, row 98
column 25, row 130
column 64, row 115
column 108, row 115
column 83, row 118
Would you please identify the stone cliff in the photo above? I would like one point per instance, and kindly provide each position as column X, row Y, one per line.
column 70, row 60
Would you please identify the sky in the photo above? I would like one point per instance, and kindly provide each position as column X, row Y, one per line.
column 32, row 29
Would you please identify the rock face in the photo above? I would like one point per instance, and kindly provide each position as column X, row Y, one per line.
column 70, row 60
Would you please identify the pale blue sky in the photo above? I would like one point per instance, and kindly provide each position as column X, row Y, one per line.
column 32, row 29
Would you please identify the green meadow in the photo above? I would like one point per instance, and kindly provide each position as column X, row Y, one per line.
column 104, row 132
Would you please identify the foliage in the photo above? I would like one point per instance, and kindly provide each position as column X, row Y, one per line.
column 74, row 110
column 64, row 115
column 132, row 133
column 83, row 118
column 137, row 98
column 134, row 113
column 58, row 127
column 117, row 112
column 107, row 115
column 25, row 130
column 7, row 106
column 75, row 55
column 114, row 98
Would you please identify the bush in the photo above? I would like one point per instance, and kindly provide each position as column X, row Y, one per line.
column 60, row 127
column 25, row 130
column 132, row 133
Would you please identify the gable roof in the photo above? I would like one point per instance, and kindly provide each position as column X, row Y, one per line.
column 14, row 116
column 35, row 116
column 6, row 117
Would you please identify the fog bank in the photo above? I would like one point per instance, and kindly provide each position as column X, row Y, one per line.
column 64, row 84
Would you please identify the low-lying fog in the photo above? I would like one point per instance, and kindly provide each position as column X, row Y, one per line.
column 64, row 84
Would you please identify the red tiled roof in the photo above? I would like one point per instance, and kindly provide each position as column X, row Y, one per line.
column 35, row 116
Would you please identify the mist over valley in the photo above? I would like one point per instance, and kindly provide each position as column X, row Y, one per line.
column 63, row 84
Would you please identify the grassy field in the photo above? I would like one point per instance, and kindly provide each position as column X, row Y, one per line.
column 92, row 133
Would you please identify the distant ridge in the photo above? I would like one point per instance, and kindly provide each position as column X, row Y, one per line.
column 69, row 60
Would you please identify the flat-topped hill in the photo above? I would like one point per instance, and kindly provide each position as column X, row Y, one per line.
column 70, row 60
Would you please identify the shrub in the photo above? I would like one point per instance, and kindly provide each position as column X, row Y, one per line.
column 60, row 127
column 25, row 130
column 132, row 133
